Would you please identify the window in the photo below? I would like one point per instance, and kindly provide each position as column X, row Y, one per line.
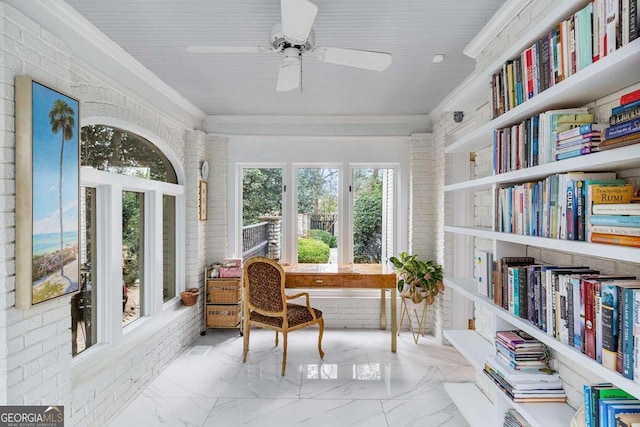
column 83, row 304
column 373, row 215
column 317, row 224
column 132, row 256
column 168, row 247
column 261, row 212
column 131, row 206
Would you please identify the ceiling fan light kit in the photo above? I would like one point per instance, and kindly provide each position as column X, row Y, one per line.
column 294, row 37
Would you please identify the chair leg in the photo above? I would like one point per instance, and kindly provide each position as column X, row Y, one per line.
column 284, row 351
column 276, row 338
column 246, row 343
column 321, row 327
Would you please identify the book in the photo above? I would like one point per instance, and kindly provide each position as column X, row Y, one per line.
column 619, row 220
column 629, row 296
column 588, row 188
column 622, row 141
column 627, row 419
column 612, row 300
column 575, row 152
column 500, row 282
column 621, row 129
column 517, row 339
column 630, row 97
column 624, row 116
column 624, row 231
column 611, row 193
column 581, row 130
column 593, row 393
column 614, row 239
column 625, row 107
column 577, row 140
column 483, row 271
column 566, row 181
column 616, row 209
column 522, row 379
column 620, row 408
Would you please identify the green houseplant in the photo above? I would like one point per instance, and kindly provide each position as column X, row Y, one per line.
column 419, row 279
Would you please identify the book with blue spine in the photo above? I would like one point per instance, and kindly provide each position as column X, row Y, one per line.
column 625, row 107
column 629, row 298
column 627, row 221
column 619, row 408
column 581, row 151
column 621, row 129
column 582, row 130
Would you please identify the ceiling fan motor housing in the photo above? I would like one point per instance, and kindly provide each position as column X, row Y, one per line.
column 280, row 41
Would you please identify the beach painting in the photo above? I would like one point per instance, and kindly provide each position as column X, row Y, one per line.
column 47, row 205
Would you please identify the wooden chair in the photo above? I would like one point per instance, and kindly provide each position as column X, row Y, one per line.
column 266, row 305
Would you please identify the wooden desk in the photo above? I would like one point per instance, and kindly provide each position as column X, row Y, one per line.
column 350, row 276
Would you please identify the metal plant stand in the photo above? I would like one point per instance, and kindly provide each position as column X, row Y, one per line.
column 414, row 314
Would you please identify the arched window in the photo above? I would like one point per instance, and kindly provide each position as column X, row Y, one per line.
column 130, row 200
column 115, row 150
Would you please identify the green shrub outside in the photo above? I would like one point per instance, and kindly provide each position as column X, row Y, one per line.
column 313, row 251
column 325, row 236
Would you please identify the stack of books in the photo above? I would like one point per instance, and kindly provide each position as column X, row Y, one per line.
column 513, row 419
column 624, row 123
column 523, row 382
column 613, row 214
column 579, row 141
column 520, row 350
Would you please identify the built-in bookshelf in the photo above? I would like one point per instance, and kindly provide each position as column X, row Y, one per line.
column 476, row 349
column 615, row 72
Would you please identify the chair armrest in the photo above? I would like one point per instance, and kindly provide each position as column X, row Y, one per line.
column 306, row 297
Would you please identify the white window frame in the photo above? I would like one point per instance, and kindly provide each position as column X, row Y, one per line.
column 109, row 188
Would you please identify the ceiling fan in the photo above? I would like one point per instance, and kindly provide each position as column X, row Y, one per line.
column 293, row 37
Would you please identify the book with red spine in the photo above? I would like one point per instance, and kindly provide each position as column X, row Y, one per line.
column 630, row 97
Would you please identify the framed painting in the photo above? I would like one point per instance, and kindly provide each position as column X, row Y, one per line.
column 47, row 193
column 204, row 196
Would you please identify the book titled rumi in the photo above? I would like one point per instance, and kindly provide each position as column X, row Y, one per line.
column 611, row 194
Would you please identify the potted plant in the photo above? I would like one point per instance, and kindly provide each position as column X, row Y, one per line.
column 420, row 280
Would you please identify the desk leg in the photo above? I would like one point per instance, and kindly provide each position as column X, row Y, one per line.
column 394, row 321
column 383, row 309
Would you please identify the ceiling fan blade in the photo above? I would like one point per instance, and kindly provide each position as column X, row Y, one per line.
column 229, row 49
column 377, row 61
column 297, row 19
column 290, row 74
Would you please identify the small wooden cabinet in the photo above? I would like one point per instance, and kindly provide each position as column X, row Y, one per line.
column 223, row 302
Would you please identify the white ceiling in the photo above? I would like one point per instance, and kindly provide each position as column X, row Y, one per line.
column 156, row 32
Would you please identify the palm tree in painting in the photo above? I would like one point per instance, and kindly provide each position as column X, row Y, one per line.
column 62, row 120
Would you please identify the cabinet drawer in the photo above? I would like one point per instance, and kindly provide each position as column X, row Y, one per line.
column 369, row 281
column 319, row 281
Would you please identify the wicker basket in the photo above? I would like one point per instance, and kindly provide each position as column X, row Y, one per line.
column 223, row 291
column 223, row 316
column 190, row 296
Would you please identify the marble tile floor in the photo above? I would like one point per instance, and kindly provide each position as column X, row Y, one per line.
column 360, row 382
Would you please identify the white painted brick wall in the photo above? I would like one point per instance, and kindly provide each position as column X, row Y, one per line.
column 217, row 224
column 35, row 355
